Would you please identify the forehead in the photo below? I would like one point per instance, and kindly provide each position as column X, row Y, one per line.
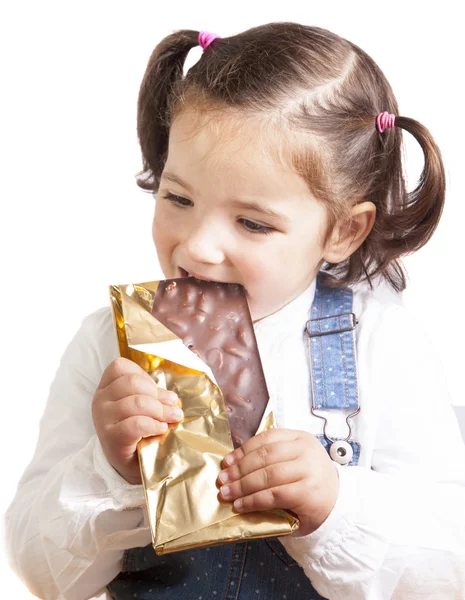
column 245, row 149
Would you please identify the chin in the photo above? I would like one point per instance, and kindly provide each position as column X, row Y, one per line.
column 257, row 314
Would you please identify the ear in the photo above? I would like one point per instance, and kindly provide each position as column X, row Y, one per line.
column 347, row 237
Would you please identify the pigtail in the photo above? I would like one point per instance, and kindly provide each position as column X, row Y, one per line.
column 412, row 217
column 156, row 95
column 419, row 215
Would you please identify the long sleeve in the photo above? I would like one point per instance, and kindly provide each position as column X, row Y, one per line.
column 73, row 515
column 398, row 527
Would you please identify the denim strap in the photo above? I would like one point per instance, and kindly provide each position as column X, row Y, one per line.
column 331, row 330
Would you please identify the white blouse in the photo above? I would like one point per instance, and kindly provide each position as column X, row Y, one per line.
column 397, row 529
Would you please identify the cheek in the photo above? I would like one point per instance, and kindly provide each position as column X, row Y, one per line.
column 156, row 231
column 163, row 234
column 258, row 268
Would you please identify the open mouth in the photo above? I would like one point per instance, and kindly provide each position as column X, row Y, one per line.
column 185, row 273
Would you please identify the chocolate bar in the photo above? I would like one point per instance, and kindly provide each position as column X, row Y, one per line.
column 213, row 320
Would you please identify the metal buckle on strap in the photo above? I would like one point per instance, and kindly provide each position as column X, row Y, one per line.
column 353, row 323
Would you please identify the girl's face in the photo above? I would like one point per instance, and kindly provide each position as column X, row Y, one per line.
column 227, row 211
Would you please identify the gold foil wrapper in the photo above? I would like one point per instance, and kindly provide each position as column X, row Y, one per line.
column 180, row 468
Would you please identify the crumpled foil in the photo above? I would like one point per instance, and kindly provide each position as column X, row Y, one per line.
column 180, row 468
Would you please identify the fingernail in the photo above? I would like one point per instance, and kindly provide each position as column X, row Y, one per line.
column 163, row 426
column 228, row 460
column 171, row 397
column 223, row 477
column 225, row 491
column 238, row 504
column 175, row 413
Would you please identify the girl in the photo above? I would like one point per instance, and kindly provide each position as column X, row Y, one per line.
column 276, row 163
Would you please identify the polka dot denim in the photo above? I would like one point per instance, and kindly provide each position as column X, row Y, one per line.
column 259, row 569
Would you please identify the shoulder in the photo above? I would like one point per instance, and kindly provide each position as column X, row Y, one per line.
column 97, row 338
column 99, row 322
column 382, row 315
column 372, row 303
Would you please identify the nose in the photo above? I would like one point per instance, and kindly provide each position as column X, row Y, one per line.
column 204, row 245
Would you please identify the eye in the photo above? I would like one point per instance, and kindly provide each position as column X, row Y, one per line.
column 177, row 200
column 253, row 227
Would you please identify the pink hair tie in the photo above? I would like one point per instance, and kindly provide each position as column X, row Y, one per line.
column 385, row 121
column 206, row 38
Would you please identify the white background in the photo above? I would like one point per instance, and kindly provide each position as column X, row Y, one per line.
column 74, row 221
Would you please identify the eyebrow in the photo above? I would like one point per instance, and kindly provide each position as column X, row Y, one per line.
column 175, row 179
column 259, row 208
column 239, row 203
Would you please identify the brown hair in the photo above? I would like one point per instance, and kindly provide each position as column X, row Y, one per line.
column 316, row 83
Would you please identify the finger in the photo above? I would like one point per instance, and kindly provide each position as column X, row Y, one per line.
column 273, row 476
column 132, row 430
column 167, row 397
column 142, row 405
column 117, row 368
column 263, row 456
column 284, row 496
column 135, row 383
column 255, row 442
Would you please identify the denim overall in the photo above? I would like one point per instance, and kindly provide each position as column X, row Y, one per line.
column 259, row 569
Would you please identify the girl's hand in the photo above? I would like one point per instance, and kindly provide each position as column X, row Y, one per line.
column 127, row 407
column 282, row 468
